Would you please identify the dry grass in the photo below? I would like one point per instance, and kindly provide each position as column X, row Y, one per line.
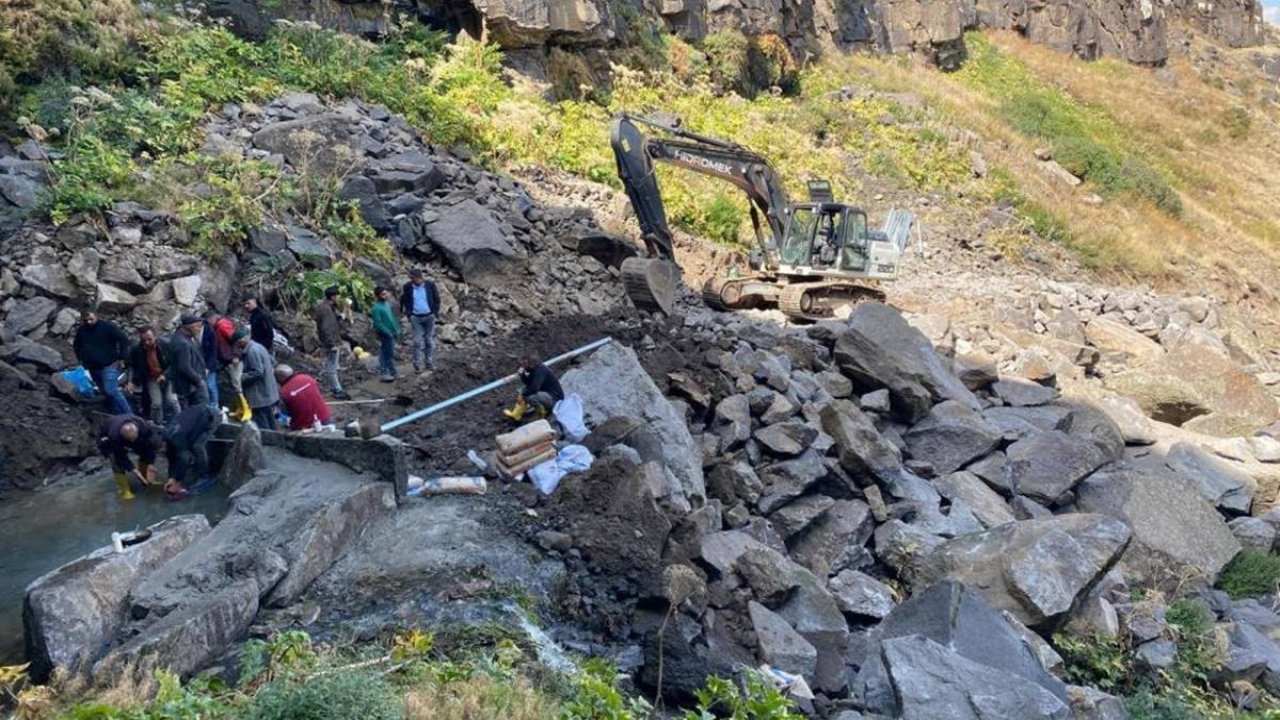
column 1179, row 122
column 480, row 698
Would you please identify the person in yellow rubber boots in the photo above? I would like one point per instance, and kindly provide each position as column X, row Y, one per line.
column 540, row 393
column 122, row 434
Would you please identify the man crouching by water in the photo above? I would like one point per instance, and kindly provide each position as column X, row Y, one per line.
column 118, row 436
column 187, row 440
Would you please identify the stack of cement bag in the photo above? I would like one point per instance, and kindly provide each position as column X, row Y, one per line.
column 526, row 447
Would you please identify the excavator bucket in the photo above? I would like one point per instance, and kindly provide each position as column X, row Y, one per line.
column 651, row 283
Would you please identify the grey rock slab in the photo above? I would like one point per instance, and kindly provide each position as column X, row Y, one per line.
column 994, row 471
column 779, row 645
column 27, row 315
column 1157, row 654
column 1135, row 427
column 187, row 289
column 1046, row 465
column 797, row 515
column 114, row 300
column 1254, row 533
column 863, row 451
column 245, row 458
column 42, row 356
column 731, row 482
column 72, row 614
column 1087, row 422
column 733, row 421
column 1220, row 483
column 876, row 401
column 787, row 439
column 987, row 506
column 1016, row 423
column 790, row 479
column 1035, row 569
column 977, row 370
column 951, row 436
column 879, row 348
column 52, row 280
column 904, row 548
column 1023, row 393
column 951, row 615
column 472, row 241
column 931, row 681
column 1175, row 530
column 861, row 595
column 612, row 383
column 846, row 524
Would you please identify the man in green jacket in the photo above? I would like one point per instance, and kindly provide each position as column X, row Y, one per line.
column 388, row 329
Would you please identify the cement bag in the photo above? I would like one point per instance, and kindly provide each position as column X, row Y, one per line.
column 514, row 470
column 573, row 458
column 526, row 454
column 525, row 437
column 569, row 413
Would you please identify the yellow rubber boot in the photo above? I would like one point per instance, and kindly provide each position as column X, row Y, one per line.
column 122, row 486
column 539, row 413
column 244, row 413
column 517, row 411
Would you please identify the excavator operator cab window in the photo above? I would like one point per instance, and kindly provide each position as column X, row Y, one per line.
column 853, row 255
column 795, row 247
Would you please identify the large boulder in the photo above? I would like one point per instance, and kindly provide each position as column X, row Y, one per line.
column 30, row 314
column 1046, row 465
column 1201, row 388
column 1176, row 532
column 930, row 681
column 612, row 383
column 1116, row 338
column 969, row 630
column 986, row 505
column 280, row 534
column 319, row 145
column 779, row 645
column 71, row 615
column 1221, row 484
column 880, row 349
column 520, row 23
column 950, row 437
column 472, row 240
column 1035, row 569
column 863, row 451
column 846, row 524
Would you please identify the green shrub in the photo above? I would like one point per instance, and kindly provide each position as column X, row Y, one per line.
column 1147, row 704
column 1236, row 122
column 232, row 201
column 306, row 288
column 336, row 695
column 595, row 696
column 1091, row 161
column 1150, row 184
column 758, row 699
column 727, row 59
column 1250, row 574
column 1101, row 662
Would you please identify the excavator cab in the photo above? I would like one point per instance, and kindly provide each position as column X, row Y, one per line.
column 825, row 238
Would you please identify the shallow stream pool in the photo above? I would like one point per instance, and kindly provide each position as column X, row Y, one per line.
column 47, row 528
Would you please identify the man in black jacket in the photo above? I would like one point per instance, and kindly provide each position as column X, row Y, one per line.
column 420, row 301
column 187, row 373
column 261, row 328
column 148, row 360
column 100, row 346
column 329, row 333
column 118, row 436
column 187, row 441
column 541, row 390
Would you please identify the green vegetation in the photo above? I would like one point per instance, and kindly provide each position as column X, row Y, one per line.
column 410, row 677
column 1187, row 691
column 1251, row 574
column 1083, row 138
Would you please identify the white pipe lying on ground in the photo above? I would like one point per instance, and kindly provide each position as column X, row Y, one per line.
column 456, row 399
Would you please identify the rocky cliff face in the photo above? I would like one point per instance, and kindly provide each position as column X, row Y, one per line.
column 1133, row 30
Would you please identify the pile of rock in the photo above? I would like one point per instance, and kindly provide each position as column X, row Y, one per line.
column 828, row 473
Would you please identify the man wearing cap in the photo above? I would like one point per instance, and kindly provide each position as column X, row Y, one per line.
column 420, row 301
column 329, row 332
column 187, row 446
column 259, row 382
column 186, row 371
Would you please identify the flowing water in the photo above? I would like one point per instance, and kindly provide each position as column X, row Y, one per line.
column 54, row 525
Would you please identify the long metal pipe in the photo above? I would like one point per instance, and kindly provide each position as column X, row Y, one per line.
column 456, row 399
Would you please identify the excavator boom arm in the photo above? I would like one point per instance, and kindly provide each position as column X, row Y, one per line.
column 636, row 153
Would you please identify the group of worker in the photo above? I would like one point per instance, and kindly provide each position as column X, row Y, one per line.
column 183, row 380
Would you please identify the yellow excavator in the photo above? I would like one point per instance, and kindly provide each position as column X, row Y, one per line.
column 810, row 258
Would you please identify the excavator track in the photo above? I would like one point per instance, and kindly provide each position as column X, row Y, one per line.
column 651, row 284
column 725, row 293
column 813, row 301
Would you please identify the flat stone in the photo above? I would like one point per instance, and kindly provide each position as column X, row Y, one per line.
column 114, row 300
column 471, row 240
column 863, row 451
column 1176, row 532
column 861, row 595
column 1221, row 484
column 1135, row 426
column 1047, row 465
column 186, row 290
column 30, row 314
column 797, row 515
column 990, row 509
column 779, row 645
column 1021, row 393
column 787, row 439
column 52, row 280
column 1254, row 533
column 951, row 436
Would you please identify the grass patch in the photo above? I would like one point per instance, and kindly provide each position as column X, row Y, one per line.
column 1250, row 574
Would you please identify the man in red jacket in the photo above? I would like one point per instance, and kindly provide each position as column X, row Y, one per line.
column 302, row 399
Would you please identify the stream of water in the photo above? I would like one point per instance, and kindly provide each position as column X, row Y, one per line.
column 50, row 527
